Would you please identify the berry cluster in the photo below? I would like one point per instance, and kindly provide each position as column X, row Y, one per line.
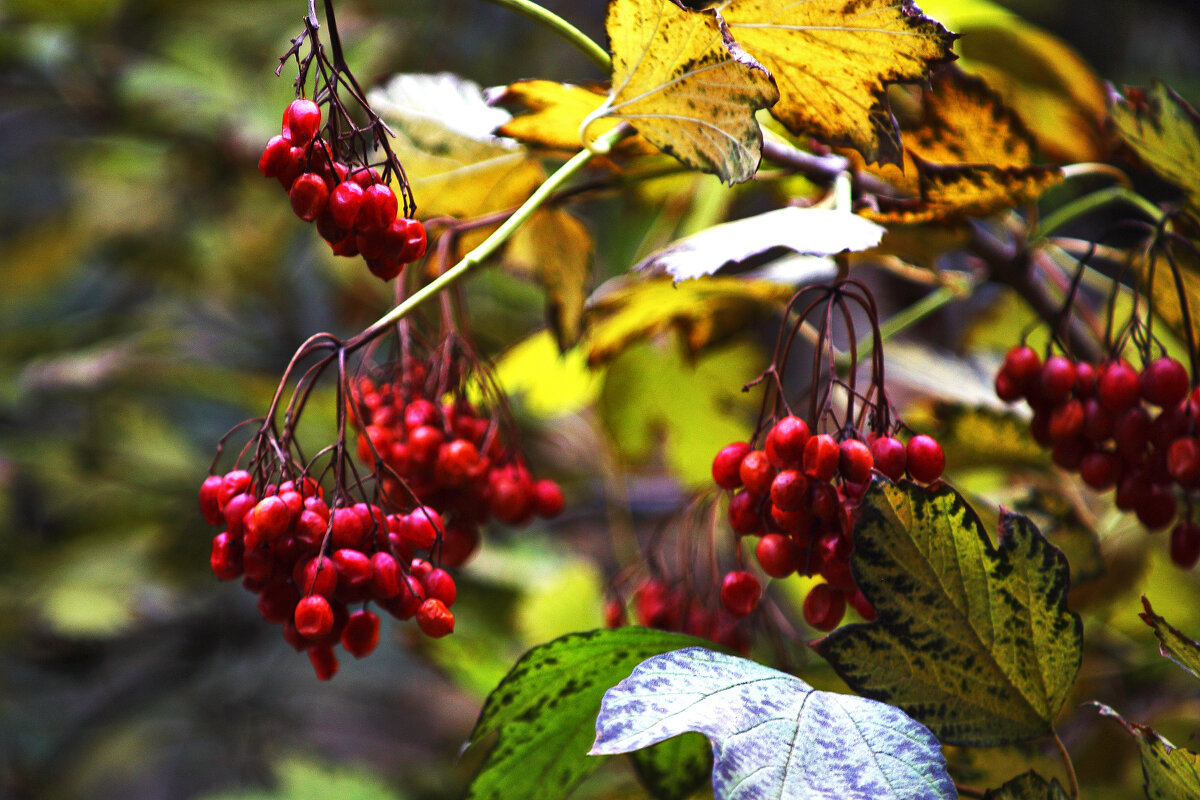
column 446, row 457
column 308, row 563
column 1119, row 428
column 659, row 604
column 355, row 210
column 797, row 494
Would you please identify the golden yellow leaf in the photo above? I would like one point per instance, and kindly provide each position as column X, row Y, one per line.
column 703, row 310
column 557, row 249
column 1164, row 132
column 684, row 84
column 833, row 59
column 554, row 113
column 1157, row 280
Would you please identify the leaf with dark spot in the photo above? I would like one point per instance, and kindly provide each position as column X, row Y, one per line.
column 1170, row 772
column 1181, row 649
column 675, row 769
column 1028, row 786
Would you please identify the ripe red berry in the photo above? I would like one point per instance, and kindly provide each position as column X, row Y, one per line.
column 347, row 528
column 236, row 511
column 344, row 203
column 274, row 157
column 302, row 120
column 855, row 461
column 824, row 607
column 1057, row 378
column 891, row 457
column 317, row 576
column 548, row 500
column 226, row 557
column 1007, row 389
column 1085, row 379
column 1022, row 365
column 423, row 524
column 1098, row 421
column 1185, row 544
column 739, row 592
column 378, row 210
column 1164, row 382
column 821, row 456
column 1183, row 461
column 1119, row 386
column 434, row 619
column 459, row 543
column 786, row 441
column 233, row 483
column 210, row 499
column 744, row 514
column 777, row 555
column 314, row 617
column 789, row 490
column 1066, row 420
column 440, row 585
column 353, row 567
column 308, row 196
column 270, row 518
column 1132, row 433
column 361, row 634
column 1100, row 470
column 756, row 472
column 1156, row 507
column 457, row 462
column 925, row 458
column 414, row 242
column 323, row 660
column 727, row 463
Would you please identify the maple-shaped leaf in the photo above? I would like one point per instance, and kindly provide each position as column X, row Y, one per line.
column 1173, row 644
column 966, row 154
column 971, row 639
column 833, row 60
column 685, row 85
column 1169, row 772
column 1164, row 132
column 549, row 114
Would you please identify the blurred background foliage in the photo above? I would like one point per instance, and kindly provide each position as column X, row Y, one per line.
column 154, row 288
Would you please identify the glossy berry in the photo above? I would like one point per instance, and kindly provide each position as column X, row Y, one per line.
column 727, row 463
column 744, row 514
column 548, row 500
column 423, row 526
column 434, row 619
column 777, row 555
column 323, row 660
column 314, row 617
column 344, row 203
column 925, row 458
column 440, row 585
column 270, row 518
column 1022, row 365
column 787, row 439
column 1119, row 387
column 739, row 593
column 378, row 209
column 317, row 576
column 210, row 499
column 1066, row 420
column 361, row 634
column 891, row 457
column 1185, row 544
column 756, row 472
column 414, row 242
column 1057, row 378
column 302, row 120
column 1164, row 382
column 274, row 157
column 855, row 461
column 308, row 196
column 824, row 607
column 789, row 490
column 821, row 456
column 1183, row 461
column 1007, row 389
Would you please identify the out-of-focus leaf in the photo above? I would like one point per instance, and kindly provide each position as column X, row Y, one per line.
column 544, row 708
column 549, row 382
column 1181, row 649
column 675, row 769
column 567, row 599
column 1028, row 786
column 556, row 248
column 833, row 59
column 809, row 231
column 975, row 436
column 1157, row 279
column 703, row 311
column 806, row 743
column 715, row 413
column 554, row 113
column 1164, row 131
column 951, row 379
column 1169, row 772
column 686, row 86
column 300, row 779
column 973, row 640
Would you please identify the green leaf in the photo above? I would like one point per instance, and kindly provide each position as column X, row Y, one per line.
column 675, row 769
column 1171, row 643
column 802, row 743
column 1169, row 772
column 305, row 780
column 973, row 640
column 545, row 707
column 1028, row 786
column 1164, row 131
column 686, row 86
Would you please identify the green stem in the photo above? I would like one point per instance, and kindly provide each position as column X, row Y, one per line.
column 533, row 11
column 1090, row 202
column 492, row 243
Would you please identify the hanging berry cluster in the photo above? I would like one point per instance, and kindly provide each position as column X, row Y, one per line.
column 326, row 164
column 796, row 488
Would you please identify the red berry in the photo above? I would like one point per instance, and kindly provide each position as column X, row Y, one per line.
column 384, row 267
column 1185, row 544
column 1132, row 433
column 459, row 543
column 317, row 576
column 344, row 202
column 406, row 604
column 378, row 210
column 777, row 555
column 308, row 196
column 1183, row 461
column 756, row 472
column 323, row 660
column 1164, row 382
column 855, row 461
column 236, row 511
column 302, row 120
column 347, row 528
column 270, row 518
column 789, row 490
column 423, row 526
column 440, row 584
column 371, row 245
column 1068, row 453
column 824, row 607
column 925, row 458
column 739, row 593
column 1098, row 421
column 821, row 456
column 277, row 602
column 361, row 634
column 414, row 242
column 457, row 463
column 233, row 483
column 291, row 167
column 1057, row 378
column 1066, row 420
column 1119, row 386
column 614, row 614
column 226, row 557
column 891, row 457
column 1022, row 365
column 726, row 465
column 434, row 619
column 1100, row 470
column 1007, row 389
column 353, row 567
column 314, row 617
column 1085, row 379
column 210, row 499
column 548, row 498
column 787, row 440
column 744, row 514
column 1156, row 507
column 274, row 157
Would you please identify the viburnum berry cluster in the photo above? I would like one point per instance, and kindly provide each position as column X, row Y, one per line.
column 1133, row 431
column 672, row 606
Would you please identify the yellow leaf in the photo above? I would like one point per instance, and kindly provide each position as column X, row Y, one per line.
column 554, row 113
column 703, row 310
column 1157, row 280
column 549, row 382
column 686, row 86
column 1164, row 131
column 557, row 249
column 833, row 59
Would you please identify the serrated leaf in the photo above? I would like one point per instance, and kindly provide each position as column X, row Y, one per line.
column 703, row 311
column 554, row 112
column 556, row 248
column 1169, row 772
column 808, row 231
column 832, row 61
column 685, row 85
column 973, row 640
column 675, row 769
column 1164, row 131
column 1181, row 649
column 772, row 734
column 1028, row 786
column 545, row 707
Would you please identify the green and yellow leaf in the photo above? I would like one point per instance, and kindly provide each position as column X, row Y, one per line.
column 553, row 114
column 973, row 640
column 1028, row 786
column 833, row 60
column 685, row 85
column 556, row 249
column 1168, row 772
column 1181, row 649
column 1164, row 132
column 549, row 382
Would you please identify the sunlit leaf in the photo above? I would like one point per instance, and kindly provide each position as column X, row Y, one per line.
column 1181, row 649
column 554, row 113
column 805, row 743
column 973, row 640
column 549, row 382
column 1164, row 131
column 703, row 311
column 808, row 231
column 686, row 86
column 556, row 248
column 545, row 707
column 675, row 769
column 833, row 59
column 1169, row 772
column 1028, row 786
column 1157, row 279
column 300, row 779
column 565, row 599
column 1061, row 524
